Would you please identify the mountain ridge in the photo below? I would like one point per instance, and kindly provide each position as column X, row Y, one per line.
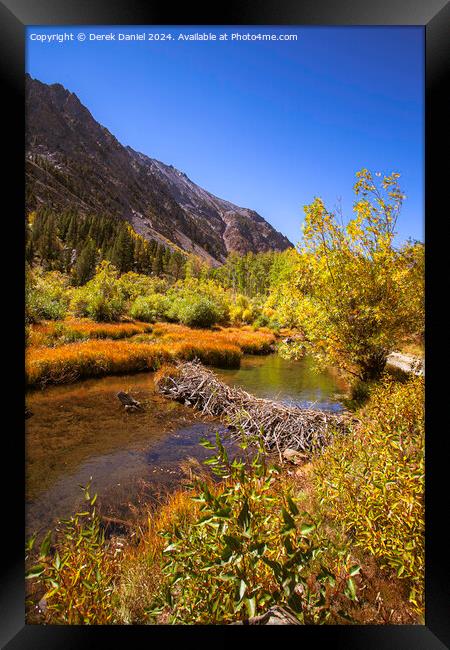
column 72, row 161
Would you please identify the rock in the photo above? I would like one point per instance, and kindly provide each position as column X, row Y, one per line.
column 294, row 456
column 406, row 363
column 129, row 403
column 43, row 605
column 274, row 616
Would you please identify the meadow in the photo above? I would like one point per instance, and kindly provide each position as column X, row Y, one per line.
column 123, row 348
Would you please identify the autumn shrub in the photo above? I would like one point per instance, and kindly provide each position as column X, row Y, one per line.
column 249, row 547
column 149, row 308
column 134, row 285
column 360, row 294
column 47, row 295
column 243, row 310
column 100, row 298
column 372, row 481
column 74, row 573
column 196, row 311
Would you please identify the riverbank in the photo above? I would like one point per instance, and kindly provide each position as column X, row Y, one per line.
column 131, row 347
column 368, row 567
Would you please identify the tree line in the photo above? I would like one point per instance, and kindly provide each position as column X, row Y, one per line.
column 72, row 243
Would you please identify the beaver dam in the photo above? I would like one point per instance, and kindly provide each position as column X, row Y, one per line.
column 280, row 426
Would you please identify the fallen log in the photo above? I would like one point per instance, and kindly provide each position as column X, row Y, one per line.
column 280, row 426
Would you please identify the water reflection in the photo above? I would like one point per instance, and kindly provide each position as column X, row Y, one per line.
column 291, row 382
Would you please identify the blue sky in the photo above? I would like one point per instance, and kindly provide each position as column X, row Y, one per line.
column 266, row 125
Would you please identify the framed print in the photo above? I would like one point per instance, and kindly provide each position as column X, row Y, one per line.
column 218, row 225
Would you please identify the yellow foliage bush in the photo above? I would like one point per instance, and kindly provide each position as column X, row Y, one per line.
column 372, row 481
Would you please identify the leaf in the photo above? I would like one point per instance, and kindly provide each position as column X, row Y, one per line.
column 351, row 589
column 251, row 606
column 30, row 543
column 244, row 516
column 306, row 528
column 45, row 546
column 292, row 507
column 35, row 571
column 206, row 443
column 354, row 570
column 242, row 589
column 170, row 548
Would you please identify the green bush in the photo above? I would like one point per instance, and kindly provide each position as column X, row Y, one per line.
column 101, row 298
column 372, row 481
column 250, row 548
column 261, row 321
column 195, row 312
column 46, row 295
column 135, row 285
column 149, row 308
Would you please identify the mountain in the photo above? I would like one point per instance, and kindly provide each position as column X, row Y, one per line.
column 74, row 162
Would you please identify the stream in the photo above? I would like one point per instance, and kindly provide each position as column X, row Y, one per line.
column 80, row 430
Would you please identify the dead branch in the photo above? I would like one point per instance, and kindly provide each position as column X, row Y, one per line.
column 281, row 426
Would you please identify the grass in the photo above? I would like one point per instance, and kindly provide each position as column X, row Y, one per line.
column 70, row 362
column 246, row 339
column 56, row 354
column 51, row 333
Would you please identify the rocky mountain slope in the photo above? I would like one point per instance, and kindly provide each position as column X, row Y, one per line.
column 74, row 162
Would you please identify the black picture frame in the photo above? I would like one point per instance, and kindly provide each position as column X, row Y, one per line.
column 434, row 16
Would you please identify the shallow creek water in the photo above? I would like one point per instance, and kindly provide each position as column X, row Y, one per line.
column 81, row 430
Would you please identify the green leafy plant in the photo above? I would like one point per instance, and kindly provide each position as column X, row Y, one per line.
column 250, row 548
column 372, row 482
column 47, row 295
column 149, row 308
column 101, row 298
column 74, row 570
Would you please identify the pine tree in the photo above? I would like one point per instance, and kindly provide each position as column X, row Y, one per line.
column 84, row 268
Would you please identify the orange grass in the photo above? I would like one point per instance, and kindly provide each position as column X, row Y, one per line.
column 68, row 361
column 57, row 332
column 95, row 358
column 247, row 340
